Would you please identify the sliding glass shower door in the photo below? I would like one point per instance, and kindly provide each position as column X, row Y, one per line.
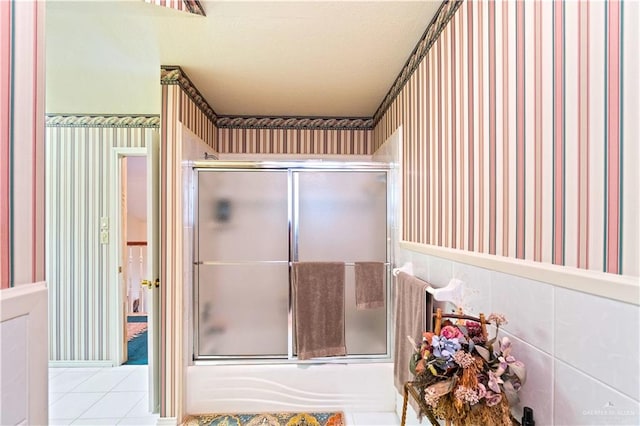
column 252, row 221
column 341, row 216
column 243, row 263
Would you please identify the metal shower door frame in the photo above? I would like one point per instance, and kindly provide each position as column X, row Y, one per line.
column 293, row 168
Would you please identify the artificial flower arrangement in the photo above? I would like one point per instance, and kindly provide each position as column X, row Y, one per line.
column 463, row 376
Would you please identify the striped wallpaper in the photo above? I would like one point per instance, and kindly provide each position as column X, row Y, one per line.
column 521, row 134
column 171, row 288
column 196, row 120
column 21, row 142
column 295, row 141
column 191, row 6
column 179, row 109
column 78, row 162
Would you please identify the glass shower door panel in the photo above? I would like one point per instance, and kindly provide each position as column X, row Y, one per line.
column 243, row 270
column 243, row 216
column 365, row 330
column 243, row 311
column 342, row 216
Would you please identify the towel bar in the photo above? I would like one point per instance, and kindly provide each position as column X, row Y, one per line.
column 258, row 262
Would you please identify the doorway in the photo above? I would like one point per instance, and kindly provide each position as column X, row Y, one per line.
column 134, row 260
column 132, row 235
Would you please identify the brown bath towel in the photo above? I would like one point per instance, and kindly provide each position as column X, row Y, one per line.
column 369, row 285
column 410, row 314
column 318, row 291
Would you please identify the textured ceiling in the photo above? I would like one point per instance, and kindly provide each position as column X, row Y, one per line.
column 307, row 58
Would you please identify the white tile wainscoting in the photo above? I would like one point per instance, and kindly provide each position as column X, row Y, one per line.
column 581, row 351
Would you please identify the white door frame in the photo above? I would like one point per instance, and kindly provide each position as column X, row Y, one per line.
column 116, row 316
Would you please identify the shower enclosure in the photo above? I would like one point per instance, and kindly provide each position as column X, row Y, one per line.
column 252, row 221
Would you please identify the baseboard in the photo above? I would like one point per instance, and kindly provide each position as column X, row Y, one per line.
column 167, row 421
column 80, row 364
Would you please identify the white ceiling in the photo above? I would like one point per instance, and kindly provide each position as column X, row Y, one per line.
column 304, row 58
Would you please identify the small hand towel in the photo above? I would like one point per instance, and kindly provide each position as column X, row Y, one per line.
column 410, row 314
column 318, row 291
column 369, row 285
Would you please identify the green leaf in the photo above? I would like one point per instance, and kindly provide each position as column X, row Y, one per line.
column 413, row 362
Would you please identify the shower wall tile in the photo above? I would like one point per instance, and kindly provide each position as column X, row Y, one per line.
column 528, row 306
column 537, row 392
column 600, row 337
column 420, row 264
column 582, row 400
column 440, row 271
column 478, row 288
column 581, row 351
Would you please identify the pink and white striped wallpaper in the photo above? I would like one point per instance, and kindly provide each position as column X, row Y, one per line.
column 21, row 142
column 521, row 134
column 179, row 109
column 295, row 141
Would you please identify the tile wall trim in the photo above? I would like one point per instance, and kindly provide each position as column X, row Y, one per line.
column 617, row 287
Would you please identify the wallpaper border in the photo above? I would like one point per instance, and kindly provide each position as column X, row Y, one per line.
column 194, row 6
column 442, row 17
column 174, row 75
column 319, row 123
column 73, row 120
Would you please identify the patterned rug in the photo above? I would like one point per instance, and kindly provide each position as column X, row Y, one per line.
column 137, row 350
column 270, row 419
column 136, row 325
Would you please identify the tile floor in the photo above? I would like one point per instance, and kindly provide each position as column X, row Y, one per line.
column 119, row 396
column 99, row 396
